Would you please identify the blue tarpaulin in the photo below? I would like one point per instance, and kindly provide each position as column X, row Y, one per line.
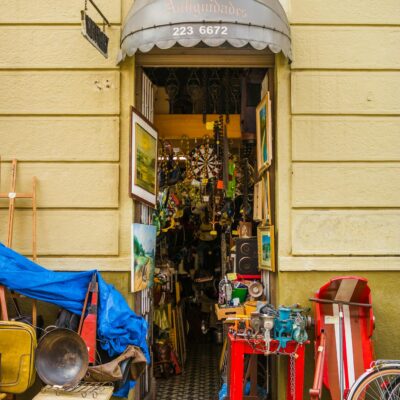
column 118, row 325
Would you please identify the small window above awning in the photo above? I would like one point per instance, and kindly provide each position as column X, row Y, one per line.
column 263, row 24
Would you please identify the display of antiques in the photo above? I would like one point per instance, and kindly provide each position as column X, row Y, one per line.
column 283, row 324
column 82, row 352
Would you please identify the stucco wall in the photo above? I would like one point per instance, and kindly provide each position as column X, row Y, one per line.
column 338, row 135
column 64, row 115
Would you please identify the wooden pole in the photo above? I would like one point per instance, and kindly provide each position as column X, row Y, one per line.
column 11, row 209
column 34, row 244
column 12, row 196
column 34, row 220
column 3, row 302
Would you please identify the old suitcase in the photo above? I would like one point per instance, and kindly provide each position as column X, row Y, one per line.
column 17, row 349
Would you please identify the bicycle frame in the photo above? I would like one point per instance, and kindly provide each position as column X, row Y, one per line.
column 377, row 365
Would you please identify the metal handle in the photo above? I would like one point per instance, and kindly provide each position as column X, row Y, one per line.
column 347, row 303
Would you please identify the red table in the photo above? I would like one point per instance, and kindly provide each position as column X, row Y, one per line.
column 238, row 347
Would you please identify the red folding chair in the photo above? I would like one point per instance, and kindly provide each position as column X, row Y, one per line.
column 344, row 323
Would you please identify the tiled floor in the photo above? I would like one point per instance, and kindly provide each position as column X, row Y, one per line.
column 200, row 379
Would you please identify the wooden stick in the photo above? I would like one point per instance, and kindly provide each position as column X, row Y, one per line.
column 268, row 185
column 83, row 311
column 3, row 300
column 17, row 195
column 12, row 196
column 11, row 208
column 3, row 303
column 34, row 244
column 34, row 220
column 223, row 354
column 4, row 312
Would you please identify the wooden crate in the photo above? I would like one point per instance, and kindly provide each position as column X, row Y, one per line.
column 226, row 312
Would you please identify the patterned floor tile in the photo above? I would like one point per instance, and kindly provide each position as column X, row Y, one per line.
column 200, row 379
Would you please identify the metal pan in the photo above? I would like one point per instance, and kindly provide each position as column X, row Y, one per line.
column 61, row 358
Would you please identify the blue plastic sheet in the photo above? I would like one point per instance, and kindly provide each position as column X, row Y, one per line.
column 118, row 325
column 223, row 393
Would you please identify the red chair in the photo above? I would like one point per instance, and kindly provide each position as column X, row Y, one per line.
column 344, row 323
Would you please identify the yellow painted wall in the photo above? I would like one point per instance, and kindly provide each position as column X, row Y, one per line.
column 338, row 158
column 64, row 115
column 338, row 132
column 64, row 112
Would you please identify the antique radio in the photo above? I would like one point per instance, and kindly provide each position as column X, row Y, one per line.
column 246, row 256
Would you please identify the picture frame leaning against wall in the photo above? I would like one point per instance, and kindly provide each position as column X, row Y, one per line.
column 143, row 159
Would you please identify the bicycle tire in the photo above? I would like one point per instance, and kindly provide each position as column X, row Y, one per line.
column 382, row 391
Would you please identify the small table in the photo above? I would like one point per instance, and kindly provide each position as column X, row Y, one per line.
column 48, row 393
column 238, row 347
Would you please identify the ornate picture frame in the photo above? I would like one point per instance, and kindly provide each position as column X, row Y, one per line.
column 143, row 154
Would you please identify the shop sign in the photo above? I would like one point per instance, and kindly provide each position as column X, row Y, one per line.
column 93, row 33
column 216, row 8
column 214, row 13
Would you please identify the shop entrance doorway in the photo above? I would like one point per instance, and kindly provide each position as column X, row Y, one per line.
column 208, row 200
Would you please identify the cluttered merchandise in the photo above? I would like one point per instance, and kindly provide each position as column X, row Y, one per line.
column 205, row 323
column 204, row 249
column 214, row 254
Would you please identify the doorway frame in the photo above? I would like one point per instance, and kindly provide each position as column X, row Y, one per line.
column 220, row 57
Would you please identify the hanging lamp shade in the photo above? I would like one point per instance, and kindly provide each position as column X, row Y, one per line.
column 263, row 24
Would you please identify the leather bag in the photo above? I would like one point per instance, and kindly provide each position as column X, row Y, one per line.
column 119, row 369
column 17, row 348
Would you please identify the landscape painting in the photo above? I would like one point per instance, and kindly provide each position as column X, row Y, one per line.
column 266, row 254
column 143, row 168
column 143, row 256
column 264, row 138
column 145, row 151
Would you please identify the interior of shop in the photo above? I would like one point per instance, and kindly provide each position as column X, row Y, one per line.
column 207, row 216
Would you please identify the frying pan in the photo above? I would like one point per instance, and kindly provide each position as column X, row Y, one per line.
column 61, row 358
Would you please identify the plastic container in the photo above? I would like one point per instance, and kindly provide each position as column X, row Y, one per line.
column 240, row 293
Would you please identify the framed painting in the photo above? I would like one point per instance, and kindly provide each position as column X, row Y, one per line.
column 267, row 203
column 258, row 201
column 264, row 134
column 266, row 248
column 143, row 256
column 143, row 159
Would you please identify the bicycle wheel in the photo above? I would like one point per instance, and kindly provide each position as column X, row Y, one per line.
column 382, row 384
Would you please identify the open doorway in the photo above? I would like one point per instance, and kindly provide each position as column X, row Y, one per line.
column 206, row 119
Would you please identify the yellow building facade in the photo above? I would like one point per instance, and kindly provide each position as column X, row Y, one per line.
column 64, row 114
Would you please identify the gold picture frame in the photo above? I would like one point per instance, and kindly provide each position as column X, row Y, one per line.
column 264, row 134
column 143, row 159
column 266, row 248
